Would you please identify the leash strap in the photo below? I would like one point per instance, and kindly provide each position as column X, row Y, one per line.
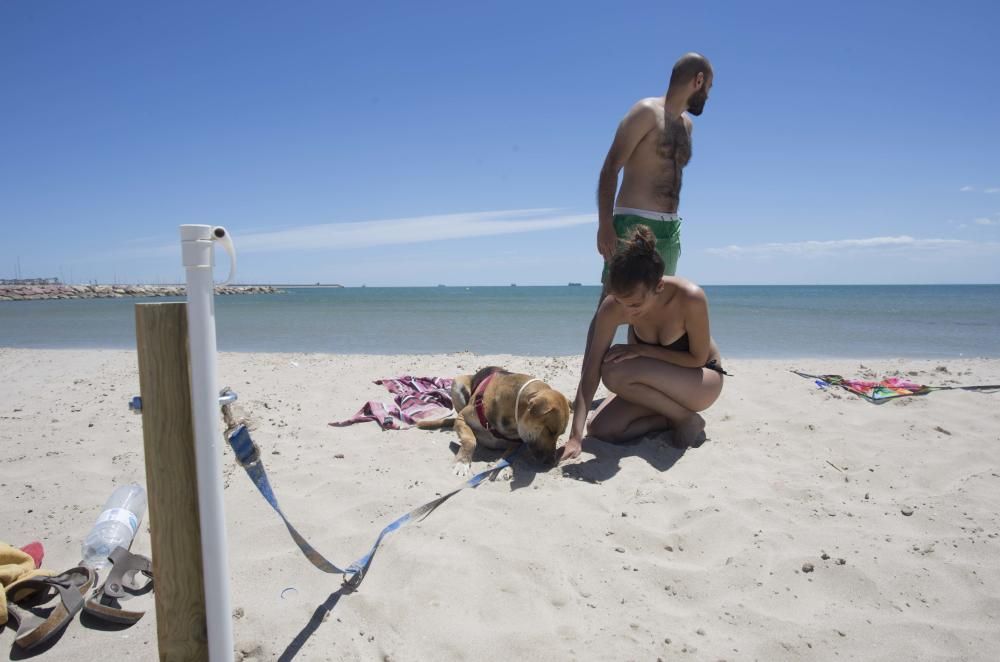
column 248, row 455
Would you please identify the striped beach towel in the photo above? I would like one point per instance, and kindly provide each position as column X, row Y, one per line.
column 414, row 399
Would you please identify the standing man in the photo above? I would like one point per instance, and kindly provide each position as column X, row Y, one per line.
column 653, row 144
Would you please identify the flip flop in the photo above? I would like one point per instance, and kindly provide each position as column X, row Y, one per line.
column 28, row 596
column 121, row 585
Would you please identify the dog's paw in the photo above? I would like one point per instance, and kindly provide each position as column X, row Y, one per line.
column 462, row 469
column 507, row 473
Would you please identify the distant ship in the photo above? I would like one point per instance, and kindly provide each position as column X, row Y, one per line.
column 513, row 284
column 575, row 284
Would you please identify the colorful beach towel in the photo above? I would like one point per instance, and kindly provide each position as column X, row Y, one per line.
column 887, row 389
column 415, row 399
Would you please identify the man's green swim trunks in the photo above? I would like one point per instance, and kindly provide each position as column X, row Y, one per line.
column 666, row 228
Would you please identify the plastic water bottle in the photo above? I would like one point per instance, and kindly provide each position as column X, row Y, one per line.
column 116, row 526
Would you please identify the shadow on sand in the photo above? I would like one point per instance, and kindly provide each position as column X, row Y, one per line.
column 606, row 462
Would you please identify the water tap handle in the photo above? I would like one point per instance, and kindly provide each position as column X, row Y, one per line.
column 221, row 236
column 198, row 247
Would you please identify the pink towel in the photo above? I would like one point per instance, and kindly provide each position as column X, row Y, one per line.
column 415, row 398
column 35, row 551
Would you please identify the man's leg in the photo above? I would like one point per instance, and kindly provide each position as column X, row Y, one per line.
column 668, row 244
column 604, row 284
column 670, row 251
column 620, row 229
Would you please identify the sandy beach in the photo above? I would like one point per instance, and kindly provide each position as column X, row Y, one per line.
column 634, row 552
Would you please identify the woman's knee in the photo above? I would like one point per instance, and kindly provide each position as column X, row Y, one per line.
column 614, row 376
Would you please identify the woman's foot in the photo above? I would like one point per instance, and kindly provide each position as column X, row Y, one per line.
column 689, row 432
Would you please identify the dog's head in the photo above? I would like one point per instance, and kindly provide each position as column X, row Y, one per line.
column 544, row 418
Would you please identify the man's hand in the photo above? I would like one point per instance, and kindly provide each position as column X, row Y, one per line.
column 571, row 449
column 619, row 353
column 607, row 240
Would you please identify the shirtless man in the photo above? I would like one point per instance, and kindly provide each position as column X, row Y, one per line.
column 653, row 144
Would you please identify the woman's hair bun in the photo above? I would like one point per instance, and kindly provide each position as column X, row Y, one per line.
column 642, row 241
column 636, row 261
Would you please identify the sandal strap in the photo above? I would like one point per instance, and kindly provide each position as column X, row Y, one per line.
column 70, row 586
column 126, row 566
column 120, row 585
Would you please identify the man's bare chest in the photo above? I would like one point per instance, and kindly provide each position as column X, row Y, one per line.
column 674, row 142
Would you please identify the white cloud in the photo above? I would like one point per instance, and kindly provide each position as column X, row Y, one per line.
column 411, row 230
column 898, row 244
column 986, row 221
column 966, row 189
column 992, row 189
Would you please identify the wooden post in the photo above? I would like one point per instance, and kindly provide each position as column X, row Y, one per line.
column 168, row 439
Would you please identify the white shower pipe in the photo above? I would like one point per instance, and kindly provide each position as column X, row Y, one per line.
column 197, row 244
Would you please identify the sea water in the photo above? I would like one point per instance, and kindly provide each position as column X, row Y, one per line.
column 859, row 321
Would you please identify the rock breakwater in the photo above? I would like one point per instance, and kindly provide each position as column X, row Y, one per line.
column 28, row 292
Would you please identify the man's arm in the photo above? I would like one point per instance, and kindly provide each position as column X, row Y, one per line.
column 641, row 118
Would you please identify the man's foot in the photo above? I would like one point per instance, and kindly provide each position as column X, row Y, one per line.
column 689, row 432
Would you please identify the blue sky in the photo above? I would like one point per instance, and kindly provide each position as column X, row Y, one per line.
column 460, row 143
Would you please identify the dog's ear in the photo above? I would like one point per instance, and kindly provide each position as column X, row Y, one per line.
column 567, row 401
column 539, row 406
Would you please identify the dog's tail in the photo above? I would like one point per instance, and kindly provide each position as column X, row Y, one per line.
column 437, row 424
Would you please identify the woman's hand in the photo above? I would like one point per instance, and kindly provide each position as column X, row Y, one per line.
column 571, row 449
column 619, row 353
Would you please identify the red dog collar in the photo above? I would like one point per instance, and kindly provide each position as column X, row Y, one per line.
column 481, row 410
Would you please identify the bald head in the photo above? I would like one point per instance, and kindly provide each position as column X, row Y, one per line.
column 687, row 69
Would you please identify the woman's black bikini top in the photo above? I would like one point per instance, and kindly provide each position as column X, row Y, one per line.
column 679, row 345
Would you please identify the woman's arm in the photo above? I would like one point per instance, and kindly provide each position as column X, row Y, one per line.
column 599, row 337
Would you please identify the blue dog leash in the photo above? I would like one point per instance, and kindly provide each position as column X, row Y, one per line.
column 248, row 455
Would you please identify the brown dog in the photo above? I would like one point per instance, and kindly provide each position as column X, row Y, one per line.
column 498, row 409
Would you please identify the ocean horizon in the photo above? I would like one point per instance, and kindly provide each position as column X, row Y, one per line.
column 748, row 321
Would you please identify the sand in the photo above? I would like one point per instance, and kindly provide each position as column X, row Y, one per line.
column 811, row 525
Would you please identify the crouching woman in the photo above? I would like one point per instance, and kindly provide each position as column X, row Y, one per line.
column 669, row 370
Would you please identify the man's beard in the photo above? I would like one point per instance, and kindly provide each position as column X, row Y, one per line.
column 696, row 103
